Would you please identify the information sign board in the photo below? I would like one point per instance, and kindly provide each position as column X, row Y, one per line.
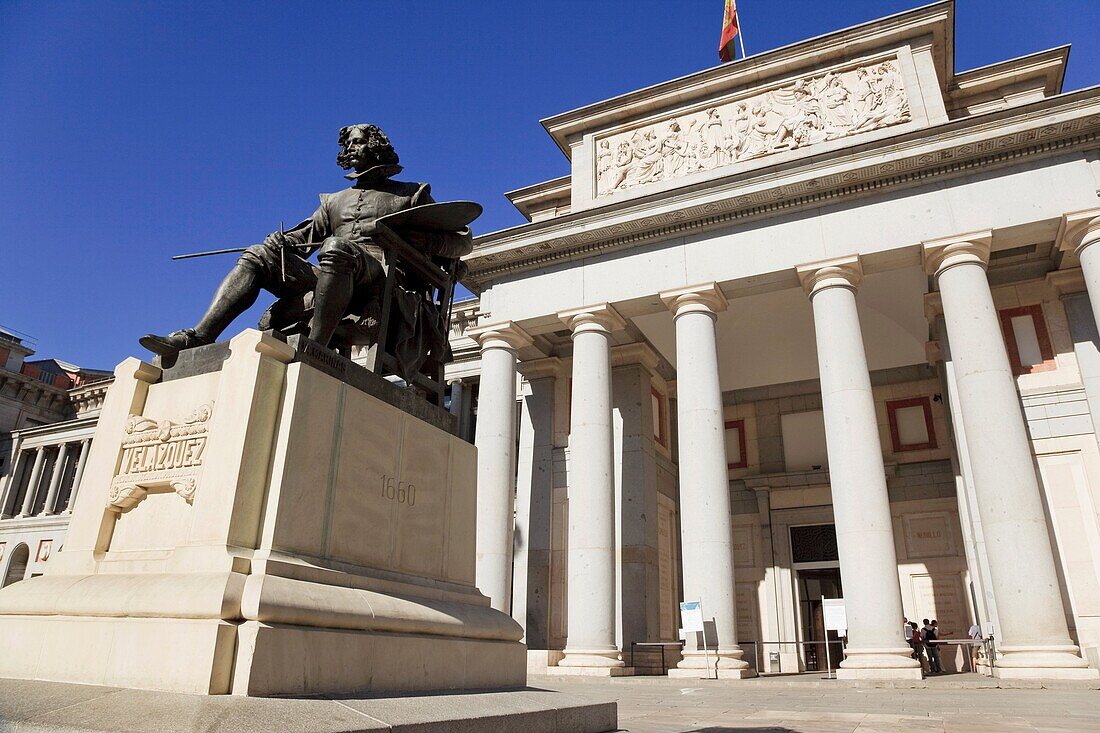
column 691, row 616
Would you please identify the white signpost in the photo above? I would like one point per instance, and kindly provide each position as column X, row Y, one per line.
column 691, row 619
column 832, row 609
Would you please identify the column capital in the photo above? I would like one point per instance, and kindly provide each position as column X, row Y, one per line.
column 635, row 353
column 550, row 367
column 601, row 317
column 1067, row 282
column 702, row 298
column 842, row 272
column 1077, row 230
column 505, row 335
column 960, row 249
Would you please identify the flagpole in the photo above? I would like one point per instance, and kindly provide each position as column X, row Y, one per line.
column 740, row 35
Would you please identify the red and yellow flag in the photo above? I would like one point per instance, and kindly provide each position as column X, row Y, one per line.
column 729, row 31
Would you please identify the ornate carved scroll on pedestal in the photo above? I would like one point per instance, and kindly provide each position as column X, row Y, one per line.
column 159, row 456
column 805, row 112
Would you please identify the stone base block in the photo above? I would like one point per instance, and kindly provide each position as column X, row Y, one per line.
column 1046, row 673
column 913, row 673
column 590, row 671
column 281, row 660
column 50, row 706
column 197, row 656
column 702, row 674
column 186, row 655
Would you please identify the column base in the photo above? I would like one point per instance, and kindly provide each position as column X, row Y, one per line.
column 1045, row 673
column 879, row 674
column 1055, row 662
column 703, row 674
column 560, row 671
column 879, row 664
column 592, row 658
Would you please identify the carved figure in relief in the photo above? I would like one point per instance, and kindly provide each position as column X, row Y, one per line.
column 674, row 148
column 624, row 163
column 888, row 104
column 647, row 155
column 835, row 106
column 604, row 163
column 757, row 141
column 741, row 124
column 712, row 137
column 804, row 112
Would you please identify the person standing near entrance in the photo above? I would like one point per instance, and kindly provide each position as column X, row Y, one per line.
column 975, row 634
column 917, row 643
column 930, row 647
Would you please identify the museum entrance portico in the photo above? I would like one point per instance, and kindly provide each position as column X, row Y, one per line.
column 755, row 427
column 875, row 315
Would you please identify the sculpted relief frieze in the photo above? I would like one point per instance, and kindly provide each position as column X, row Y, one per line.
column 160, row 456
column 801, row 114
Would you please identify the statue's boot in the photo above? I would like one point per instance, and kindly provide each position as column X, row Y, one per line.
column 235, row 295
column 330, row 303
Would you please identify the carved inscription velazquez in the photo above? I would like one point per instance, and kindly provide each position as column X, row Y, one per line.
column 160, row 455
column 803, row 113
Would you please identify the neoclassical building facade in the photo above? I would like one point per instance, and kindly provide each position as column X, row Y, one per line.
column 813, row 324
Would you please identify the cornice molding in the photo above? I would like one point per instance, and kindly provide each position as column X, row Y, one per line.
column 908, row 159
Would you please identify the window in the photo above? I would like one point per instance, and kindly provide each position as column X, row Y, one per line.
column 660, row 417
column 804, row 441
column 1027, row 340
column 911, row 426
column 735, row 444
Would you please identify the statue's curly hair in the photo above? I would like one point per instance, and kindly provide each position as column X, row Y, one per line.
column 377, row 142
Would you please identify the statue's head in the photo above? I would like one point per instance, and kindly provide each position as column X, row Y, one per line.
column 363, row 147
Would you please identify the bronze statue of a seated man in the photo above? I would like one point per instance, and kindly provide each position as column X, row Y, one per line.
column 350, row 270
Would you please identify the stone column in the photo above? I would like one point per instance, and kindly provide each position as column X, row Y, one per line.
column 1033, row 638
column 590, row 647
column 85, row 448
column 705, row 520
column 861, row 506
column 534, row 502
column 496, row 458
column 32, row 485
column 1078, row 232
column 13, row 474
column 55, row 479
column 458, row 395
column 977, row 561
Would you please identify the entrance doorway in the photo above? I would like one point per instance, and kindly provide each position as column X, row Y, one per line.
column 812, row 585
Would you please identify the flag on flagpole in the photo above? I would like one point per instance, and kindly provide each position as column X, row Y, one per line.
column 729, row 32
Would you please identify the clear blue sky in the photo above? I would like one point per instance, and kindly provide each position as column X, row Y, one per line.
column 133, row 131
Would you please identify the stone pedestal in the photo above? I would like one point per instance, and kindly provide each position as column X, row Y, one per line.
column 267, row 519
